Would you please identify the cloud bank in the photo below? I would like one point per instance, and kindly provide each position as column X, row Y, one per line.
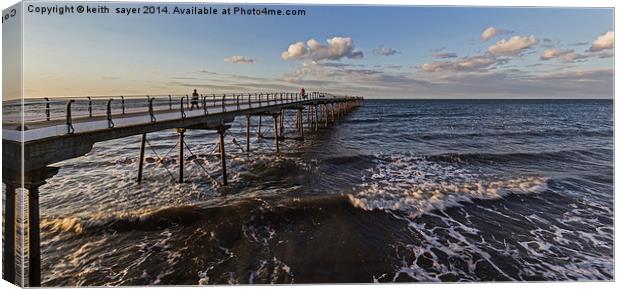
column 335, row 49
column 479, row 63
column 567, row 55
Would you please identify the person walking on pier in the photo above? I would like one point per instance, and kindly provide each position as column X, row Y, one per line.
column 302, row 93
column 194, row 100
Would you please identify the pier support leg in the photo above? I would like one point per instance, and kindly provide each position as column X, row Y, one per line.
column 308, row 116
column 277, row 137
column 326, row 114
column 316, row 119
column 34, row 238
column 32, row 181
column 141, row 160
column 301, row 124
column 181, row 132
column 281, row 134
column 221, row 132
column 260, row 120
column 8, row 257
column 247, row 133
column 297, row 120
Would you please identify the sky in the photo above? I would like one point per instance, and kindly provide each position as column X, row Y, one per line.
column 372, row 51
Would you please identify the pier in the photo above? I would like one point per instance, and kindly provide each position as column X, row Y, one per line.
column 41, row 132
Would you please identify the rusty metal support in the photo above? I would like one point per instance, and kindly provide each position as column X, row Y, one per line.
column 141, row 159
column 260, row 120
column 316, row 119
column 181, row 132
column 221, row 132
column 247, row 133
column 325, row 114
column 277, row 137
column 301, row 124
column 308, row 116
column 281, row 134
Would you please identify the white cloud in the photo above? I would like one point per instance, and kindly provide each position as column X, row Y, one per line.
column 336, row 49
column 492, row 32
column 238, row 59
column 513, row 46
column 296, row 50
column 385, row 51
column 567, row 55
column 605, row 41
column 479, row 63
column 552, row 53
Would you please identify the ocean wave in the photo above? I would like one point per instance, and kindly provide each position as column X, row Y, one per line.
column 158, row 219
column 122, row 222
column 516, row 156
column 417, row 185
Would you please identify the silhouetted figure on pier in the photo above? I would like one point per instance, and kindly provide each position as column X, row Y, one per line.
column 194, row 100
column 302, row 93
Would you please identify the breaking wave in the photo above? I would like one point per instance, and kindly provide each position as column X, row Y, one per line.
column 417, row 185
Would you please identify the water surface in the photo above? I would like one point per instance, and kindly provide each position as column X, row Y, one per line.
column 394, row 191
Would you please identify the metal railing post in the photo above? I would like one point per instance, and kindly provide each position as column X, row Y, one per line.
column 109, row 114
column 47, row 108
column 151, row 112
column 70, row 128
column 224, row 103
column 170, row 101
column 123, row 104
column 90, row 107
column 204, row 104
column 183, row 115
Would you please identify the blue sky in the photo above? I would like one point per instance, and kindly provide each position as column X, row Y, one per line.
column 384, row 52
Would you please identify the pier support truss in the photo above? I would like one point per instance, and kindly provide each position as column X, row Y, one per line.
column 319, row 112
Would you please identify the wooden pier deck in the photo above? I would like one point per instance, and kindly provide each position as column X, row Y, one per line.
column 37, row 133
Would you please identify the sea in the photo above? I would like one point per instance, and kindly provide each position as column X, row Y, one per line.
column 394, row 191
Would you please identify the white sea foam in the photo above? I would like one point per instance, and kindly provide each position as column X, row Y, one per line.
column 409, row 187
column 415, row 185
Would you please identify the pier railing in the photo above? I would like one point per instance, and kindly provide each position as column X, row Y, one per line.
column 40, row 112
